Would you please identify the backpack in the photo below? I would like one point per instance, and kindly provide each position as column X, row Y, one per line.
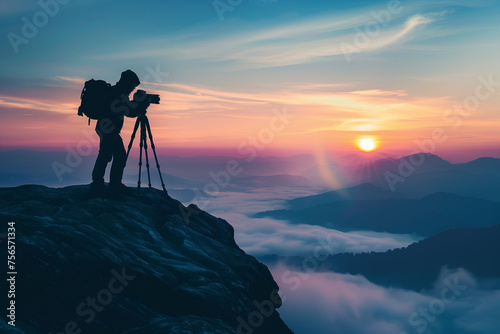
column 95, row 101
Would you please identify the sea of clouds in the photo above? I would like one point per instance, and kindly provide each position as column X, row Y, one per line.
column 328, row 302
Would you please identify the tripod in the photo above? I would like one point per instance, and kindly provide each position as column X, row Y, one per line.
column 143, row 121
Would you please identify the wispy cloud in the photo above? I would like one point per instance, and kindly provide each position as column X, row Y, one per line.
column 79, row 81
column 35, row 105
column 375, row 92
column 342, row 107
column 312, row 46
column 289, row 43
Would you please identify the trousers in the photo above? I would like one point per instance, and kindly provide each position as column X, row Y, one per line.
column 110, row 148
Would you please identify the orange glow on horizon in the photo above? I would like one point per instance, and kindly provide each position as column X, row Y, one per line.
column 194, row 120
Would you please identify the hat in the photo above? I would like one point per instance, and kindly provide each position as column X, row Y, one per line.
column 129, row 78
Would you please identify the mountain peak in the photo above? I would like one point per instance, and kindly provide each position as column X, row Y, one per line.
column 365, row 186
column 174, row 263
column 483, row 163
column 428, row 158
column 364, row 191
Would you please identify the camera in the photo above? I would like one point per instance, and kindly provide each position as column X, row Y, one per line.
column 141, row 95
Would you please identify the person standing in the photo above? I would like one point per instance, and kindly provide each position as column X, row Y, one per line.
column 108, row 129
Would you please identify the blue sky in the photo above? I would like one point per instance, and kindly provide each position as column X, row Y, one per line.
column 85, row 35
column 262, row 54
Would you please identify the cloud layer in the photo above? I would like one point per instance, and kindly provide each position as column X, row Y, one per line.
column 267, row 236
column 325, row 303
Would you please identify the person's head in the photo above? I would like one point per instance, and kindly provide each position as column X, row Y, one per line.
column 128, row 81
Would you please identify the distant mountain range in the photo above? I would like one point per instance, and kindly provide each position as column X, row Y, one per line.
column 422, row 174
column 283, row 180
column 365, row 191
column 414, row 176
column 418, row 265
column 39, row 165
column 367, row 207
column 20, row 167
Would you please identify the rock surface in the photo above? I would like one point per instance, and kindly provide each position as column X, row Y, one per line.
column 134, row 264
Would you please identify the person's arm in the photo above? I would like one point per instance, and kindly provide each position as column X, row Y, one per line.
column 122, row 106
column 140, row 108
column 140, row 104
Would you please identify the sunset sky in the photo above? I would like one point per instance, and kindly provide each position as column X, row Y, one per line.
column 412, row 75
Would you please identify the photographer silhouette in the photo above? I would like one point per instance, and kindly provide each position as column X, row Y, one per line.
column 108, row 129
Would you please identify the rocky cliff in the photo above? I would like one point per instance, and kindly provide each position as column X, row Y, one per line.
column 135, row 264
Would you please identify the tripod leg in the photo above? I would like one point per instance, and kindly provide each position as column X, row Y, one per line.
column 140, row 155
column 132, row 137
column 148, row 128
column 143, row 133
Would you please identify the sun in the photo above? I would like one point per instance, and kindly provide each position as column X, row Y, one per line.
column 367, row 144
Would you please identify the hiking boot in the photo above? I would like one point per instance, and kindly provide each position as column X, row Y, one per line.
column 118, row 189
column 97, row 189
